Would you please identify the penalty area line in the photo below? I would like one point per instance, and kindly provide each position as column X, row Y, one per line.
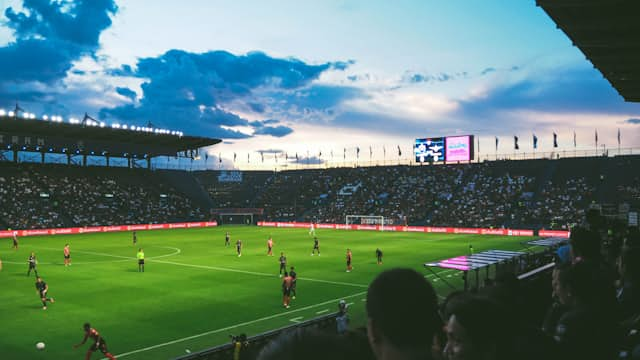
column 289, row 312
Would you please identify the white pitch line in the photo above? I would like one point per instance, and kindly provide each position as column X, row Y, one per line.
column 322, row 311
column 297, row 319
column 288, row 312
column 349, row 304
column 256, row 273
column 176, row 252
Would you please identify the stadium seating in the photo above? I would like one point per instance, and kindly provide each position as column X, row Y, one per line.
column 49, row 196
column 550, row 194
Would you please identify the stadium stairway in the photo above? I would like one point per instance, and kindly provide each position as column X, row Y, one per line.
column 187, row 184
column 548, row 175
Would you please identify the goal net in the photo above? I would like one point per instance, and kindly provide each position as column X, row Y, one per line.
column 365, row 220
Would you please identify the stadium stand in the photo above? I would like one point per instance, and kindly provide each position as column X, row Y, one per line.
column 49, row 196
column 534, row 194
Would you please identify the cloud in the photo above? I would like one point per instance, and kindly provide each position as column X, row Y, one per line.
column 271, row 151
column 563, row 91
column 50, row 36
column 191, row 90
column 487, row 71
column 416, row 78
column 275, row 131
column 311, row 160
column 633, row 121
column 126, row 92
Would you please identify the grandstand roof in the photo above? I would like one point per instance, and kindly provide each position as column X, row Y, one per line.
column 608, row 33
column 59, row 137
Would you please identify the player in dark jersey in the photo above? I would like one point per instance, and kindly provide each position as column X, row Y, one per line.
column 239, row 247
column 32, row 264
column 135, row 238
column 349, row 258
column 286, row 289
column 316, row 246
column 294, row 280
column 283, row 264
column 15, row 240
column 227, row 239
column 99, row 342
column 43, row 288
column 379, row 255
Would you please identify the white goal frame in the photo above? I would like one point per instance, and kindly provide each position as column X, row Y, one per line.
column 349, row 220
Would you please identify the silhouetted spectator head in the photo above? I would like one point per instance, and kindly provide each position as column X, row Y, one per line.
column 402, row 311
column 585, row 244
column 477, row 330
column 314, row 345
column 583, row 284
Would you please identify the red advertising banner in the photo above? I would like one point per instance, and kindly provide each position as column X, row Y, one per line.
column 554, row 233
column 97, row 229
column 426, row 229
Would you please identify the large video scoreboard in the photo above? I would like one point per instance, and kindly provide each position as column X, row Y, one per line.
column 444, row 149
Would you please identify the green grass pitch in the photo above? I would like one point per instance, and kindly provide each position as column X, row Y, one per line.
column 195, row 291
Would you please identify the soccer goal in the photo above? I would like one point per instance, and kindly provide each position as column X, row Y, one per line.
column 365, row 220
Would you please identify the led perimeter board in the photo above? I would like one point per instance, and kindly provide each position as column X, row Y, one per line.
column 444, row 149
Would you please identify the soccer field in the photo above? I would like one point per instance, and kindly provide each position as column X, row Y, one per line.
column 195, row 291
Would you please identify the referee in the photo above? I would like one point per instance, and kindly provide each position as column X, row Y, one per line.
column 140, row 256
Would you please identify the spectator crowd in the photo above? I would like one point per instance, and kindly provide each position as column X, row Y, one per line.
column 36, row 196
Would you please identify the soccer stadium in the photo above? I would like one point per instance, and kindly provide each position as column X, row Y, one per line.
column 128, row 238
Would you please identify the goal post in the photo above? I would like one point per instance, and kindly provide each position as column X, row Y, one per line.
column 365, row 220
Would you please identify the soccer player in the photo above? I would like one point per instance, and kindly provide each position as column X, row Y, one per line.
column 286, row 289
column 32, row 264
column 349, row 258
column 270, row 247
column 99, row 342
column 312, row 230
column 316, row 246
column 43, row 288
column 135, row 238
column 379, row 255
column 239, row 247
column 227, row 239
column 294, row 280
column 140, row 256
column 15, row 240
column 67, row 255
column 471, row 249
column 283, row 264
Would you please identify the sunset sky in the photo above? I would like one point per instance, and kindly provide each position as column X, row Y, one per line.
column 311, row 76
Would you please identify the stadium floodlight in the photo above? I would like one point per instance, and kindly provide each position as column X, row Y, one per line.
column 3, row 112
column 124, row 126
column 32, row 116
column 45, row 117
column 11, row 113
column 102, row 124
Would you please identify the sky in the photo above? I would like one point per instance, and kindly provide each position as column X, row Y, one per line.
column 316, row 78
